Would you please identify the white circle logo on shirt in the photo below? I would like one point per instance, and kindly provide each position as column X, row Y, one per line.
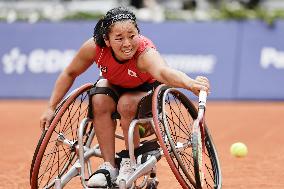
column 132, row 73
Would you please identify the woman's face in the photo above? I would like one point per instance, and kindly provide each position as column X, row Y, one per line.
column 123, row 39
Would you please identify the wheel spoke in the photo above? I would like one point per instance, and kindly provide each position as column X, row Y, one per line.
column 175, row 128
column 57, row 153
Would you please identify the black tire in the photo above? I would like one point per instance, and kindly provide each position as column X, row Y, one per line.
column 51, row 158
column 211, row 153
column 173, row 115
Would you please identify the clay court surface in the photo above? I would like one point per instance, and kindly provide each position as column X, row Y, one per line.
column 260, row 125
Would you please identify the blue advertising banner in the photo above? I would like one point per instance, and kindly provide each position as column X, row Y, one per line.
column 200, row 48
column 243, row 60
column 262, row 61
column 34, row 54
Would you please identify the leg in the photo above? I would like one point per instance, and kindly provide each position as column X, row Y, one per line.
column 127, row 107
column 104, row 106
column 104, row 125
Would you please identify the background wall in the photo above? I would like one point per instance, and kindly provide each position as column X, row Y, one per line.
column 243, row 60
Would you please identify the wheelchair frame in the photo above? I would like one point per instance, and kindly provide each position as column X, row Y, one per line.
column 84, row 151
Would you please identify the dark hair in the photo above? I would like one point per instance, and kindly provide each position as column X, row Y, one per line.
column 103, row 26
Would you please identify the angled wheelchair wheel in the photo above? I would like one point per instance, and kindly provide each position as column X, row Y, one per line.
column 173, row 115
column 56, row 151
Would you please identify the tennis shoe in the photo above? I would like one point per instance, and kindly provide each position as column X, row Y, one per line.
column 100, row 179
column 125, row 170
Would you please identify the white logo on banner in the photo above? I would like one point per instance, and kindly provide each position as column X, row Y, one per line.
column 192, row 63
column 271, row 57
column 38, row 61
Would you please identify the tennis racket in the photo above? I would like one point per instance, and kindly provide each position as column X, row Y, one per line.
column 198, row 141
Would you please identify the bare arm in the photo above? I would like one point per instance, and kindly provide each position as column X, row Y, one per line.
column 80, row 63
column 152, row 62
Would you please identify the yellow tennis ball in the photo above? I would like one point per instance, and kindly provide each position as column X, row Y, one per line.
column 239, row 149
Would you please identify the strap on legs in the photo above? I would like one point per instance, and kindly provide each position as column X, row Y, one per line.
column 102, row 90
column 106, row 173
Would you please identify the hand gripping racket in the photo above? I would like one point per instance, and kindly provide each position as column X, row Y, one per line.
column 198, row 141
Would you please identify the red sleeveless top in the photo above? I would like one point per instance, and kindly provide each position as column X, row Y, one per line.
column 125, row 75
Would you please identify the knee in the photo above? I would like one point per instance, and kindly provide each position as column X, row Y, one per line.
column 127, row 107
column 102, row 104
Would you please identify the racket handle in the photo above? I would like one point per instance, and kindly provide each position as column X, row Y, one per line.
column 202, row 98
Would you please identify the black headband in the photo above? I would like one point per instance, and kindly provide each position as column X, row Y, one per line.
column 119, row 17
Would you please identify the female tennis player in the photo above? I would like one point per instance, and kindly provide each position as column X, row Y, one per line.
column 130, row 66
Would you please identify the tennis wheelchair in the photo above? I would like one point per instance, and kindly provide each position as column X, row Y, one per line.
column 65, row 149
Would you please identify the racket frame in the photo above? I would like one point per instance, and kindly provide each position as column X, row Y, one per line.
column 198, row 133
